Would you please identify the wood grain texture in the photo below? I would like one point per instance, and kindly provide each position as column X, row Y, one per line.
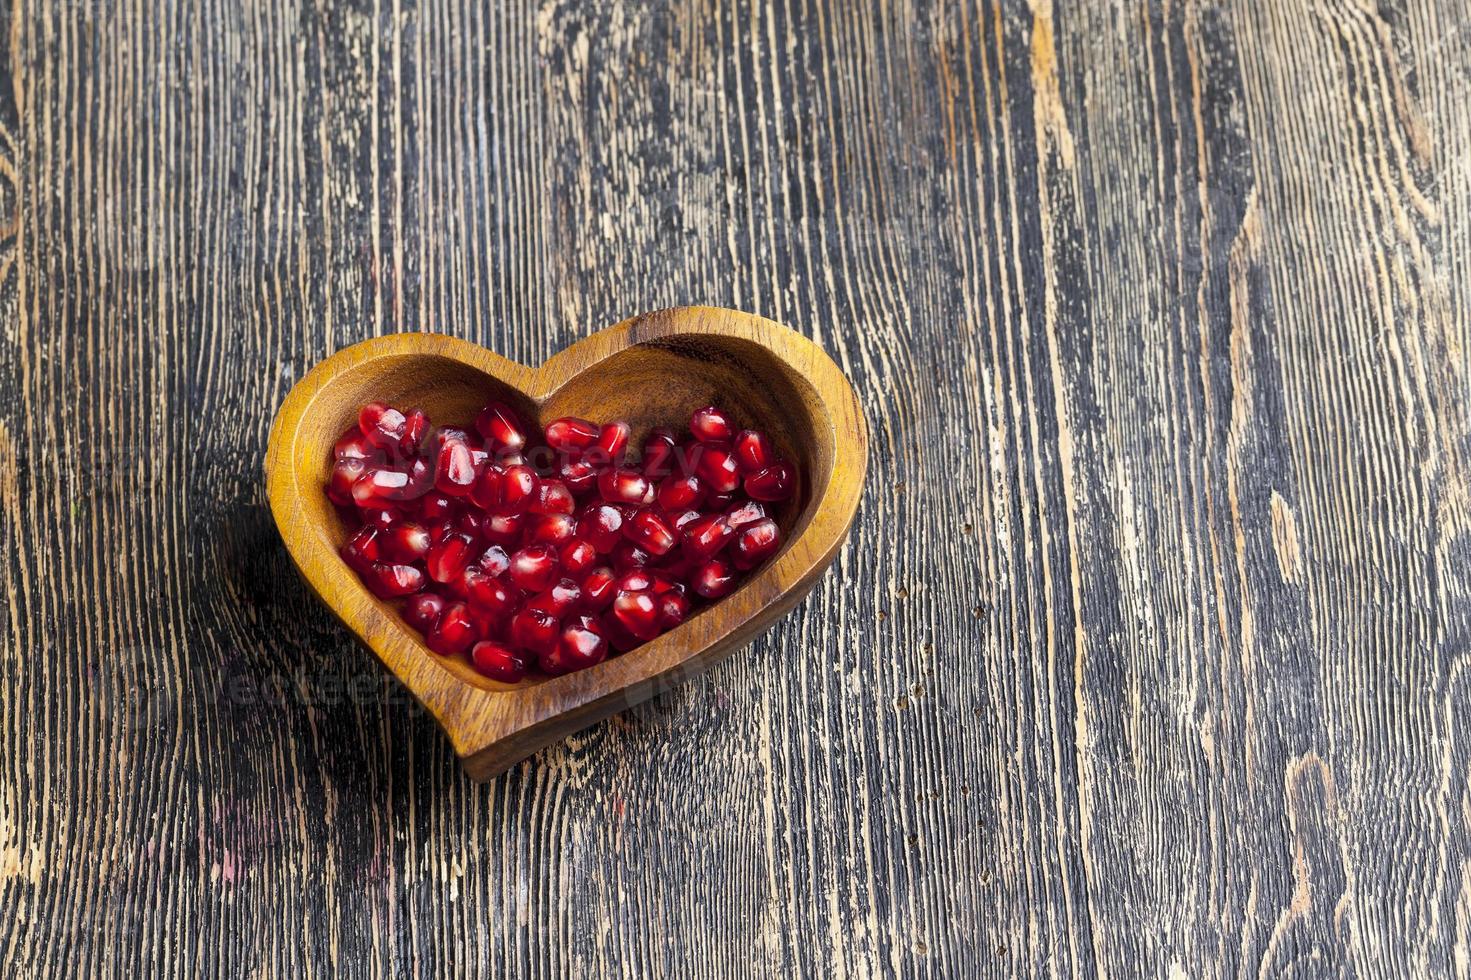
column 1151, row 650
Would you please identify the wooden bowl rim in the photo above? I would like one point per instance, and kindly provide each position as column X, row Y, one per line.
column 476, row 718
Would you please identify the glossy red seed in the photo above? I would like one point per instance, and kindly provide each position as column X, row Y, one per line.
column 709, row 424
column 757, row 542
column 422, row 611
column 657, row 456
column 345, row 473
column 473, row 523
column 416, row 427
column 637, row 613
column 579, row 475
column 488, row 594
column 498, row 662
column 446, row 434
column 677, row 520
column 753, row 450
column 406, row 542
column 453, row 632
column 485, row 492
column 518, row 488
column 719, row 501
column 534, row 630
column 583, row 643
column 612, row 444
column 534, row 567
column 434, row 507
column 364, row 548
column 625, row 486
column 559, row 600
column 679, row 492
column 577, row 557
column 650, row 532
column 494, row 560
column 381, row 515
column 599, row 587
column 777, row 482
column 673, row 609
column 353, row 444
column 499, row 423
column 635, row 580
column 629, row 555
column 707, row 535
column 448, row 557
column 553, row 497
column 382, row 424
column 454, row 472
column 377, row 485
column 713, row 579
column 718, row 469
column 601, row 526
column 390, row 581
column 555, row 529
column 572, row 435
column 744, row 513
column 619, row 638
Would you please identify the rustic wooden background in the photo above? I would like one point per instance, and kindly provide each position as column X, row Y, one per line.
column 1150, row 655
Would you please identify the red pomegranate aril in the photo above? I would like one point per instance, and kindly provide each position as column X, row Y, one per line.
column 612, row 444
column 650, row 532
column 713, row 579
column 494, row 560
column 718, row 469
column 756, row 543
column 625, row 486
column 709, row 424
column 381, row 515
column 619, row 638
column 601, row 526
column 572, row 435
column 678, row 519
column 534, row 567
column 364, row 548
column 629, row 555
column 505, row 528
column 345, row 474
column 753, row 450
column 518, row 488
column 416, row 426
column 719, row 501
column 487, row 593
column 707, row 535
column 406, row 542
column 498, row 662
column 553, row 497
column 579, row 475
column 376, row 485
column 454, row 631
column 353, row 444
column 559, row 600
column 473, row 523
column 577, row 557
column 673, row 609
column 448, row 557
column 657, row 456
column 422, row 611
column 638, row 614
column 555, row 529
column 455, row 470
column 583, row 643
column 390, row 581
column 635, row 580
column 383, row 425
column 446, row 434
column 777, row 482
column 499, row 423
column 680, row 492
column 744, row 513
column 534, row 630
column 435, row 507
column 598, row 589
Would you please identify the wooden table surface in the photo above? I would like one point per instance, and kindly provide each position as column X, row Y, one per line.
column 1150, row 653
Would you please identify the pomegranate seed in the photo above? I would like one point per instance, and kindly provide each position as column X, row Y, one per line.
column 353, row 444
column 679, row 519
column 446, row 434
column 384, row 426
column 422, row 611
column 387, row 581
column 553, row 528
column 657, row 455
column 673, row 608
column 381, row 515
column 744, row 513
column 494, row 560
column 709, row 424
column 776, row 482
column 649, row 531
column 533, row 568
column 558, row 600
column 500, row 424
column 534, row 630
column 583, row 643
column 454, row 631
column 598, row 589
column 485, row 492
column 635, row 580
column 504, row 528
column 681, row 492
column 474, row 523
column 612, row 442
column 707, row 535
column 624, row 486
column 448, row 557
column 553, row 497
column 579, row 475
column 600, row 526
column 637, row 613
column 363, row 549
column 753, row 450
column 498, row 662
column 406, row 542
column 436, row 507
column 517, row 489
column 619, row 638
column 380, row 484
column 713, row 579
column 572, row 435
column 664, row 582
column 345, row 474
column 629, row 555
column 416, row 425
column 719, row 469
column 455, row 472
column 757, row 542
column 578, row 556
column 442, row 530
column 486, row 593
column 719, row 501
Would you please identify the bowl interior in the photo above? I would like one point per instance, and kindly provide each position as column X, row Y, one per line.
column 654, row 383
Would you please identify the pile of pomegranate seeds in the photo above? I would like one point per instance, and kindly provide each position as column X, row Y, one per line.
column 550, row 556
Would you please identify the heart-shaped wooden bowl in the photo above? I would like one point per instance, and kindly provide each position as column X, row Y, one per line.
column 650, row 370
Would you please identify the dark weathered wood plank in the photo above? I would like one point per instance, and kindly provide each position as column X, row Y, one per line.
column 1148, row 654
